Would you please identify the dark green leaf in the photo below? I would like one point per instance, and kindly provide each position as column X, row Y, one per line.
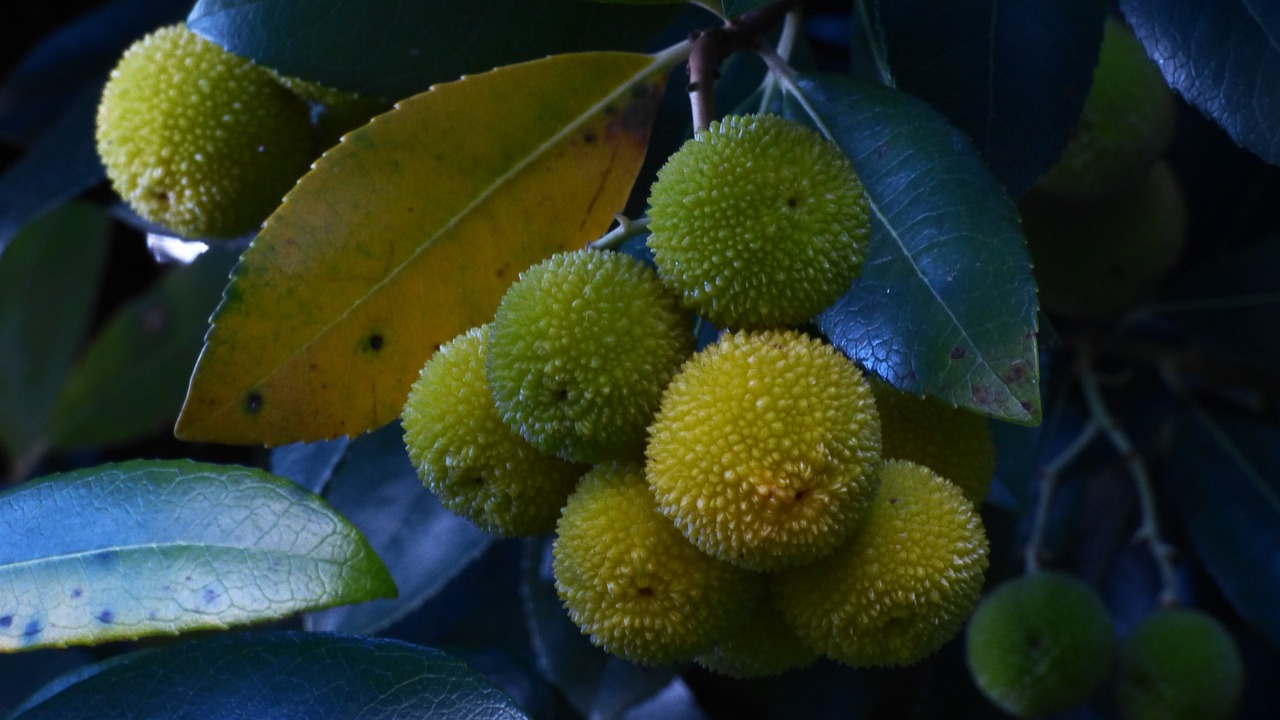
column 424, row 545
column 1224, row 57
column 1225, row 479
column 1013, row 76
column 319, row 676
column 134, row 378
column 71, row 677
column 48, row 283
column 734, row 8
column 148, row 547
column 946, row 304
column 395, row 48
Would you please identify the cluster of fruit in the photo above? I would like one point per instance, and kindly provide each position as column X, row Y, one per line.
column 204, row 142
column 752, row 504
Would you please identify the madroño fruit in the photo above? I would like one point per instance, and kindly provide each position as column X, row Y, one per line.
column 633, row 583
column 904, row 583
column 583, row 345
column 197, row 139
column 1040, row 644
column 469, row 458
column 760, row 647
column 758, row 221
column 1179, row 665
column 763, row 450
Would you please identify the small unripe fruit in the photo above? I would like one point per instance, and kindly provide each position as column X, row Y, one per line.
column 197, row 139
column 904, row 583
column 1040, row 644
column 758, row 221
column 469, row 458
column 633, row 583
column 1179, row 665
column 760, row 647
column 764, row 448
column 583, row 345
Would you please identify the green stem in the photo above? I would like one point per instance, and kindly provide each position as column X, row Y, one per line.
column 626, row 228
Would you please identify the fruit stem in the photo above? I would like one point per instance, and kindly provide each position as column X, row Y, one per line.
column 874, row 45
column 1050, row 473
column 1149, row 529
column 786, row 44
column 626, row 228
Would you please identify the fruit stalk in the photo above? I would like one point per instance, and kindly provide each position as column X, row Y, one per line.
column 1049, row 476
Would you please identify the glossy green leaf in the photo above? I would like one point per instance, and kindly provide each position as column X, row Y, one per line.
column 945, row 305
column 396, row 48
column 734, row 8
column 134, row 377
column 319, row 676
column 157, row 548
column 48, row 285
column 408, row 233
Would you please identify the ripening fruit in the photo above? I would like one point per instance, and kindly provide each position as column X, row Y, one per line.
column 199, row 140
column 633, row 583
column 1127, row 121
column 904, row 583
column 760, row 647
column 1094, row 259
column 952, row 442
column 1040, row 644
column 764, row 448
column 469, row 458
column 1179, row 665
column 582, row 346
column 758, row 221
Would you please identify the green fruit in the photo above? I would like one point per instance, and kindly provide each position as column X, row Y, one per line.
column 758, row 221
column 1094, row 259
column 469, row 458
column 1179, row 665
column 764, row 448
column 1127, row 121
column 583, row 344
column 1040, row 644
column 760, row 647
column 904, row 583
column 952, row 442
column 632, row 582
column 199, row 140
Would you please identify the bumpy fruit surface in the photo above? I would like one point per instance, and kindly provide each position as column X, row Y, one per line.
column 1040, row 644
column 1096, row 258
column 1179, row 665
column 952, row 442
column 583, row 345
column 904, row 583
column 469, row 458
column 764, row 448
column 633, row 583
column 1127, row 121
column 761, row 647
column 758, row 221
column 199, row 140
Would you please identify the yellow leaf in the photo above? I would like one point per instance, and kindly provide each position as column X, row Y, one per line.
column 408, row 233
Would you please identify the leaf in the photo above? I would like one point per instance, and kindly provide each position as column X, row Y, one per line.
column 1225, row 481
column 407, row 234
column 321, row 676
column 393, row 49
column 310, row 465
column 156, row 548
column 1013, row 76
column 134, row 377
column 48, row 284
column 735, row 8
column 1223, row 57
column 946, row 304
column 424, row 545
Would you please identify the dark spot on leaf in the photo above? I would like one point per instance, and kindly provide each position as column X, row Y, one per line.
column 6, row 621
column 645, row 592
column 588, row 137
column 105, row 617
column 893, row 501
column 253, row 402
column 1016, row 372
column 1028, row 406
column 76, row 592
column 152, row 615
column 32, row 629
column 911, row 375
column 638, row 112
column 209, row 595
column 105, row 557
column 981, row 395
column 502, row 270
column 957, row 353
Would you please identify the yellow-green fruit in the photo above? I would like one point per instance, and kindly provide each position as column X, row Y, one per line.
column 633, row 583
column 1096, row 258
column 1179, row 665
column 1040, row 644
column 469, row 458
column 758, row 221
column 199, row 140
column 952, row 442
column 583, row 344
column 760, row 647
column 904, row 583
column 764, row 449
column 1127, row 121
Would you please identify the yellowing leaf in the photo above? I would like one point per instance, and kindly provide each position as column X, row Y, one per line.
column 408, row 233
